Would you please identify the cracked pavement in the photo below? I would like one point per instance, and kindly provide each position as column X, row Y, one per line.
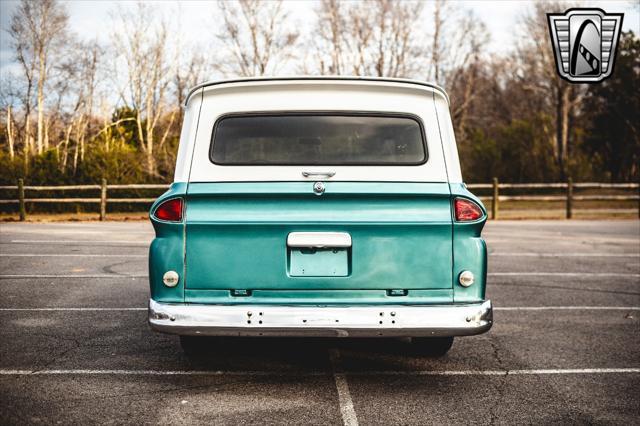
column 290, row 381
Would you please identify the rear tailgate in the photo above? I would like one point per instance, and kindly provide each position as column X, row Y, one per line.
column 400, row 236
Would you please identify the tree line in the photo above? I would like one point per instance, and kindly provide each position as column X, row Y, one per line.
column 76, row 111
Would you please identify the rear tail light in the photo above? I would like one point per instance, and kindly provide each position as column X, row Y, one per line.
column 466, row 210
column 170, row 210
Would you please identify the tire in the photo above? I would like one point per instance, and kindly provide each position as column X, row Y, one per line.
column 434, row 347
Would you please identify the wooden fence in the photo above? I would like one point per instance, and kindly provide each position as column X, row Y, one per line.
column 21, row 200
column 568, row 198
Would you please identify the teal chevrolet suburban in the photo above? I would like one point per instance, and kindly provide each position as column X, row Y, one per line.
column 318, row 207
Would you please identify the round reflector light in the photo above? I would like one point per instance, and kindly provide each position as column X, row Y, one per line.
column 466, row 278
column 170, row 278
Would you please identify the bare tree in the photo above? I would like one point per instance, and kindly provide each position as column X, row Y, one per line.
column 458, row 38
column 397, row 38
column 142, row 43
column 460, row 73
column 370, row 38
column 258, row 36
column 330, row 27
column 24, row 55
column 80, row 84
column 10, row 133
column 387, row 38
column 537, row 71
column 189, row 66
column 38, row 31
column 187, row 74
column 436, row 46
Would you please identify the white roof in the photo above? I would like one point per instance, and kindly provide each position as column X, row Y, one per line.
column 210, row 101
column 326, row 79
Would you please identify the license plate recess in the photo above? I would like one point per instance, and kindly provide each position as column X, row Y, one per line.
column 318, row 262
column 318, row 254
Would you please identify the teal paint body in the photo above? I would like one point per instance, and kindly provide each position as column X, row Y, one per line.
column 469, row 251
column 234, row 236
column 167, row 251
column 322, row 297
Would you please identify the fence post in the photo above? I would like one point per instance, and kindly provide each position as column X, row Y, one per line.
column 21, row 208
column 569, row 198
column 103, row 200
column 495, row 200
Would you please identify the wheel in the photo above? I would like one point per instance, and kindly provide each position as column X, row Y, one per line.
column 432, row 346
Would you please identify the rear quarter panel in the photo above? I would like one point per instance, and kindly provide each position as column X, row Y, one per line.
column 166, row 252
column 469, row 251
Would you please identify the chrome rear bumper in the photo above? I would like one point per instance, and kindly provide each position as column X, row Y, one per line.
column 327, row 321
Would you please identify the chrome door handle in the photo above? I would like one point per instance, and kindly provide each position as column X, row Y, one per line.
column 319, row 239
column 326, row 174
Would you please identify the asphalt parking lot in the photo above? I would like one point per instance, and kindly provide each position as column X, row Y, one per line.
column 565, row 348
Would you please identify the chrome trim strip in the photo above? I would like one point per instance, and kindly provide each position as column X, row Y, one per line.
column 319, row 239
column 327, row 321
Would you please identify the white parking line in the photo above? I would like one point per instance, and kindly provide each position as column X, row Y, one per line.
column 69, row 255
column 347, row 411
column 490, row 274
column 7, row 276
column 49, row 231
column 532, row 372
column 495, row 308
column 6, row 372
column 69, row 309
column 520, row 372
column 563, row 274
column 90, row 242
column 566, row 308
column 498, row 254
column 551, row 255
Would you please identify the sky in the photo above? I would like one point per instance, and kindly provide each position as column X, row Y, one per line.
column 91, row 19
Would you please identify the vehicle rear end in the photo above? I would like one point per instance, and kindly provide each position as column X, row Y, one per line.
column 328, row 207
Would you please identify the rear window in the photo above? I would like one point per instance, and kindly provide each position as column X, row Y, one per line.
column 318, row 139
